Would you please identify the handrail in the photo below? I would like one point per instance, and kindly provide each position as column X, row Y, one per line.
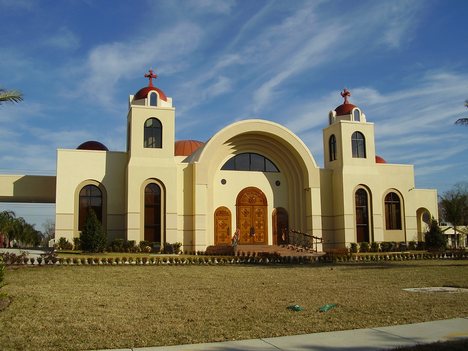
column 303, row 240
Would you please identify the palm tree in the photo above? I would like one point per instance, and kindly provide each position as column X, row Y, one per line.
column 10, row 96
column 463, row 121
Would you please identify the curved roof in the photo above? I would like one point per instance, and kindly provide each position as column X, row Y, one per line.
column 92, row 145
column 143, row 93
column 186, row 147
column 344, row 109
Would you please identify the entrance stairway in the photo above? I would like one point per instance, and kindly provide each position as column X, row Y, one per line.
column 247, row 250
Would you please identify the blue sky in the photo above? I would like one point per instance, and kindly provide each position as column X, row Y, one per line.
column 405, row 63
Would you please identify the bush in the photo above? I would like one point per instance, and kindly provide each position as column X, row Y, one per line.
column 93, row 238
column 364, row 247
column 375, row 246
column 63, row 244
column 116, row 245
column 353, row 248
column 412, row 245
column 435, row 239
column 2, row 271
column 76, row 244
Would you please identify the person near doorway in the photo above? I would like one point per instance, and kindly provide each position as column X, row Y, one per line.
column 235, row 238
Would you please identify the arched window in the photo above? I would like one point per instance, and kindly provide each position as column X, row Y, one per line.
column 392, row 212
column 153, row 133
column 356, row 115
column 358, row 143
column 249, row 162
column 332, row 147
column 362, row 215
column 90, row 198
column 153, row 99
column 153, row 213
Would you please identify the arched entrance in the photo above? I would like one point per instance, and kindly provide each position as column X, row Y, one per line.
column 280, row 226
column 252, row 219
column 222, row 223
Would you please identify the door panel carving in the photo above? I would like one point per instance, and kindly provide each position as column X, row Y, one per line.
column 222, row 222
column 252, row 216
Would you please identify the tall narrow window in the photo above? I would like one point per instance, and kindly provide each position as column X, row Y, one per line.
column 153, row 133
column 153, row 213
column 90, row 198
column 153, row 99
column 392, row 212
column 362, row 216
column 332, row 147
column 358, row 143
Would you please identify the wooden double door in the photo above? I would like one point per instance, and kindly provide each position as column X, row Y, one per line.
column 252, row 216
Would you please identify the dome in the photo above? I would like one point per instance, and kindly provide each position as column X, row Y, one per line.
column 186, row 147
column 344, row 109
column 143, row 93
column 92, row 145
column 379, row 159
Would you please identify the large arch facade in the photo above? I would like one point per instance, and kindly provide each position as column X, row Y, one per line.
column 296, row 187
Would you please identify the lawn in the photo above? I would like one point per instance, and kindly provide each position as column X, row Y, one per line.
column 93, row 307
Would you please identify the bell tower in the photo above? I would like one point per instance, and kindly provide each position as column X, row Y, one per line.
column 349, row 138
column 151, row 175
column 151, row 122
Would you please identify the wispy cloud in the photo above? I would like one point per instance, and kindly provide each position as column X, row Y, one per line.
column 64, row 39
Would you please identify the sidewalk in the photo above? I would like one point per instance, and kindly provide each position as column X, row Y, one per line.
column 349, row 340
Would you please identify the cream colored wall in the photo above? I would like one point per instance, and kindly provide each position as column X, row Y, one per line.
column 348, row 174
column 27, row 188
column 287, row 151
column 185, row 217
column 146, row 165
column 226, row 195
column 77, row 168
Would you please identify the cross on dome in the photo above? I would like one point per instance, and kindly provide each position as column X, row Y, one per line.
column 150, row 76
column 345, row 94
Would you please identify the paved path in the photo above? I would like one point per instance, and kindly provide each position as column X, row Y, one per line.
column 349, row 340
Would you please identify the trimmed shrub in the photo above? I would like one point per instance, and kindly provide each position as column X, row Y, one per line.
column 93, row 238
column 64, row 244
column 364, row 247
column 412, row 245
column 76, row 244
column 354, row 248
column 375, row 246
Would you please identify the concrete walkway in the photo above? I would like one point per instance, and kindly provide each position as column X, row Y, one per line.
column 349, row 340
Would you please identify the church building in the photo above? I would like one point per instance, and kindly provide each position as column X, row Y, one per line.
column 253, row 175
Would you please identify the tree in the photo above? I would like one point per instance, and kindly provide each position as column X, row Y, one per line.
column 6, row 225
column 434, row 238
column 49, row 231
column 10, row 96
column 463, row 121
column 454, row 207
column 92, row 237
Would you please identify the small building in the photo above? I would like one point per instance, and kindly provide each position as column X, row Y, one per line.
column 253, row 175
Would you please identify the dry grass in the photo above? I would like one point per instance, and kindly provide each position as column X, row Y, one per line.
column 79, row 308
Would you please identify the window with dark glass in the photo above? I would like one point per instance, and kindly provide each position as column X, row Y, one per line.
column 90, row 198
column 332, row 147
column 153, row 133
column 357, row 115
column 153, row 213
column 392, row 212
column 153, row 99
column 358, row 144
column 249, row 161
column 362, row 216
